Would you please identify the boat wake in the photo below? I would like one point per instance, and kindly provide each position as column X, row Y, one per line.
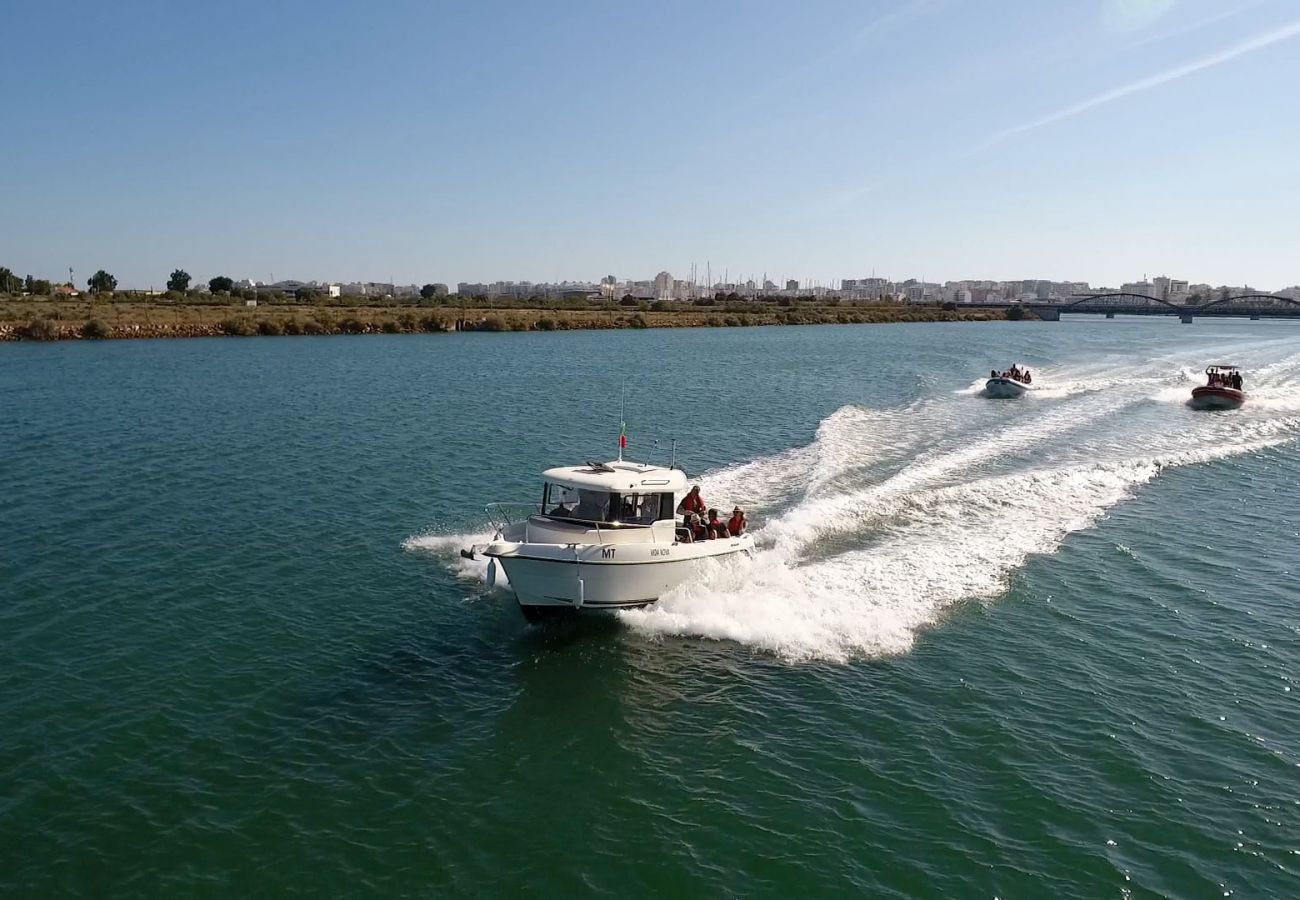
column 869, row 553
column 889, row 518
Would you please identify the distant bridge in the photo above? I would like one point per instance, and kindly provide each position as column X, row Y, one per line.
column 1251, row 306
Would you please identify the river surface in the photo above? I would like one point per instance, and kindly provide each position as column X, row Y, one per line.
column 1035, row 648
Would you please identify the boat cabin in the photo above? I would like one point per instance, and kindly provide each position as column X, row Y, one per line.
column 617, row 494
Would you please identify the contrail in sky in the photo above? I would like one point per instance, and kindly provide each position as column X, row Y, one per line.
column 1258, row 42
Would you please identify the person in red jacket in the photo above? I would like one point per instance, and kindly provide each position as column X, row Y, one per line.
column 738, row 523
column 692, row 502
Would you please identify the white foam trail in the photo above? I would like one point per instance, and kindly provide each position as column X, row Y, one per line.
column 847, row 510
column 938, row 548
column 888, row 518
column 849, row 438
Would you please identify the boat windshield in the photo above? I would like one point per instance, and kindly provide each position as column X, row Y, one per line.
column 560, row 501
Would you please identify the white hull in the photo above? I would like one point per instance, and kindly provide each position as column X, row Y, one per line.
column 1004, row 389
column 605, row 537
column 594, row 577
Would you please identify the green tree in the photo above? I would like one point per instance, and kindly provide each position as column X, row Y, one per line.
column 221, row 283
column 9, row 282
column 40, row 287
column 429, row 291
column 179, row 281
column 101, row 281
column 306, row 294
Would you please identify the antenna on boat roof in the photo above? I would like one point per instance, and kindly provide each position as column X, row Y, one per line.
column 622, row 420
column 673, row 464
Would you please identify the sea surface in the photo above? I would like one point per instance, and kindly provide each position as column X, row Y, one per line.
column 1035, row 648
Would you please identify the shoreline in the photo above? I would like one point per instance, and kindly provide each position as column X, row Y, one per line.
column 57, row 320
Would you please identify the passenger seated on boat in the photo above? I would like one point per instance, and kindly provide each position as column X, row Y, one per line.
column 1029, row 379
column 993, row 373
column 692, row 502
column 1236, row 381
column 561, row 510
column 737, row 523
column 717, row 527
column 698, row 531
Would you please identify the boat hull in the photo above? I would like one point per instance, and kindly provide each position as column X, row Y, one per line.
column 1206, row 397
column 1004, row 389
column 555, row 579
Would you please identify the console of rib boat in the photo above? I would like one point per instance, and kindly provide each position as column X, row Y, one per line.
column 605, row 537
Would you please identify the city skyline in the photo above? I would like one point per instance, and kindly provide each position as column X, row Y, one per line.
column 504, row 141
column 697, row 281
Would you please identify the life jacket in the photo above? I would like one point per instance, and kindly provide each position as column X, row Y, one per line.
column 693, row 503
column 735, row 525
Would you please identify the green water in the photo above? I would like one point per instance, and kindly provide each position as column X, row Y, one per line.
column 1036, row 648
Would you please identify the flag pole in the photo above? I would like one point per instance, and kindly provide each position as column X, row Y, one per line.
column 622, row 420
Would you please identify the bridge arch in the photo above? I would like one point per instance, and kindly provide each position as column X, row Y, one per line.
column 1120, row 300
column 1250, row 301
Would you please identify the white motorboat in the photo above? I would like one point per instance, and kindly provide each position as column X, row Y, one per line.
column 605, row 537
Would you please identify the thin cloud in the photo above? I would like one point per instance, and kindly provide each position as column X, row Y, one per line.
column 880, row 24
column 1131, row 15
column 1258, row 42
column 1190, row 27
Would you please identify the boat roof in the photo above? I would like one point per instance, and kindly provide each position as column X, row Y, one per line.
column 1221, row 367
column 618, row 476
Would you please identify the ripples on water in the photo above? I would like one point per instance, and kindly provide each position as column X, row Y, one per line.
column 1036, row 648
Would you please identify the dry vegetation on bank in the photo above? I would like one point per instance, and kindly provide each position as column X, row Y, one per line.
column 28, row 318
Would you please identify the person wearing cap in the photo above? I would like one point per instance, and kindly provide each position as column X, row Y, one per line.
column 698, row 531
column 737, row 524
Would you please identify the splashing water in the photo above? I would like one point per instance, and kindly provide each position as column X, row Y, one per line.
column 890, row 517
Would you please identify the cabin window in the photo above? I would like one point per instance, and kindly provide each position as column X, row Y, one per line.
column 667, row 508
column 564, row 502
column 584, row 505
column 638, row 509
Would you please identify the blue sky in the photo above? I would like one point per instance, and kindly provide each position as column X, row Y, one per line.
column 445, row 141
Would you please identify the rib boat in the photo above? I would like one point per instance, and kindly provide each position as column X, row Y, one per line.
column 1011, row 384
column 604, row 537
column 1220, row 390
